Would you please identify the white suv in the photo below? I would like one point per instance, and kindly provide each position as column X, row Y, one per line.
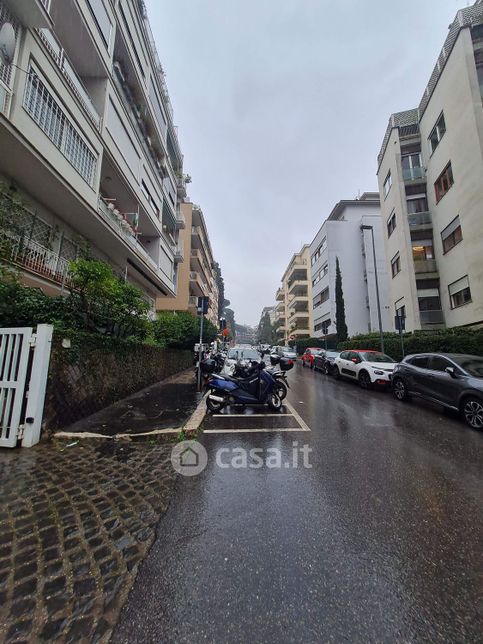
column 367, row 367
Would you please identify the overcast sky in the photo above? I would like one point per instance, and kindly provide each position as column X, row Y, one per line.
column 282, row 106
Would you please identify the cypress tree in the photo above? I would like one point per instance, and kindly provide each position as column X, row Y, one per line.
column 340, row 323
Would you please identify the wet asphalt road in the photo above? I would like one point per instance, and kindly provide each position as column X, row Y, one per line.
column 380, row 540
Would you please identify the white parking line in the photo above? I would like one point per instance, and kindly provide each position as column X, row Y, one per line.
column 247, row 415
column 254, row 431
column 297, row 417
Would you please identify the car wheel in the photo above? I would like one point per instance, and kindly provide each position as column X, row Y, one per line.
column 336, row 372
column 472, row 410
column 365, row 380
column 312, row 366
column 400, row 390
column 327, row 369
column 303, row 362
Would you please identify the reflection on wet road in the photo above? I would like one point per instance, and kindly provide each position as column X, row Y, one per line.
column 380, row 539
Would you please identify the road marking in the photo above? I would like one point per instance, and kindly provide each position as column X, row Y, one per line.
column 247, row 415
column 297, row 416
column 253, row 431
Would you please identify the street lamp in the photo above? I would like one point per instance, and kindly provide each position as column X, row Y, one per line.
column 366, row 227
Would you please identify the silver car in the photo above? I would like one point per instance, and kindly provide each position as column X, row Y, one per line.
column 454, row 380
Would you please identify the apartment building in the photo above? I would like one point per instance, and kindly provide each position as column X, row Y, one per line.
column 430, row 171
column 93, row 153
column 196, row 275
column 293, row 313
column 341, row 237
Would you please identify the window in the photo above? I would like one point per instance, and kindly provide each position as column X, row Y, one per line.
column 423, row 250
column 395, row 265
column 149, row 197
column 102, row 19
column 323, row 326
column 452, row 235
column 44, row 110
column 438, row 363
column 421, row 362
column 444, row 182
column 391, row 224
column 387, row 184
column 320, row 274
column 317, row 253
column 321, row 298
column 417, row 204
column 324, row 269
column 401, row 311
column 437, row 133
column 411, row 166
column 459, row 292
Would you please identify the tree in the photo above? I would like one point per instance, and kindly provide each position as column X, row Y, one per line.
column 181, row 329
column 340, row 323
column 265, row 330
column 220, row 282
column 229, row 316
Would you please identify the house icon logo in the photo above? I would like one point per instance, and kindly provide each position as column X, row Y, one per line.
column 189, row 458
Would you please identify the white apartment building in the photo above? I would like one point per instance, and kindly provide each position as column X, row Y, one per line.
column 340, row 236
column 92, row 150
column 431, row 183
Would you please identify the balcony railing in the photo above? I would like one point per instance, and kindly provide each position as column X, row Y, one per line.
column 412, row 174
column 178, row 250
column 37, row 259
column 110, row 216
column 425, row 266
column 420, row 219
column 180, row 220
column 70, row 75
column 431, row 317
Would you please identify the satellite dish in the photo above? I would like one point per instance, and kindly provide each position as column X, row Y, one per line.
column 7, row 43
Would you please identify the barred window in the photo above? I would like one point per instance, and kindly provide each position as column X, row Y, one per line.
column 50, row 117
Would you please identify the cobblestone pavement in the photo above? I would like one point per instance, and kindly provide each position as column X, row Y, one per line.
column 75, row 521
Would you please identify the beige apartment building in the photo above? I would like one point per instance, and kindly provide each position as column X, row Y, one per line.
column 293, row 312
column 196, row 275
column 93, row 153
column 431, row 183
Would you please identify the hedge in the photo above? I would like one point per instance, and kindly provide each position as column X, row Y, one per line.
column 303, row 344
column 456, row 340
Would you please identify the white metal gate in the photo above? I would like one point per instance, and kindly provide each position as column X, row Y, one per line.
column 24, row 365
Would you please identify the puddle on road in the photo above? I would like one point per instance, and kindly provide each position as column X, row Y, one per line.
column 121, row 452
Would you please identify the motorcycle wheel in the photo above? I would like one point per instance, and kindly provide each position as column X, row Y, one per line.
column 274, row 401
column 281, row 389
column 214, row 405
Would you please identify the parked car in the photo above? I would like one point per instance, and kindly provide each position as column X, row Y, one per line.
column 309, row 355
column 453, row 380
column 286, row 352
column 367, row 367
column 235, row 354
column 325, row 361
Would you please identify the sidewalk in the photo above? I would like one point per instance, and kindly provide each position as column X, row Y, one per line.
column 164, row 405
column 79, row 515
column 74, row 524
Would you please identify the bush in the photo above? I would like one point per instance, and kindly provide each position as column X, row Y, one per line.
column 456, row 340
column 181, row 330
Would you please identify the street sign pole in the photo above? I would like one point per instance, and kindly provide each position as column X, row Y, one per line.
column 201, row 308
column 400, row 326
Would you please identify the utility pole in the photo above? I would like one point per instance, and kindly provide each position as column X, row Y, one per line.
column 366, row 227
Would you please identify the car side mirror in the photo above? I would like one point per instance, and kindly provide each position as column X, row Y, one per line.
column 451, row 371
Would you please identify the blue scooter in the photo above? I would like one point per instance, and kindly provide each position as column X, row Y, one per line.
column 258, row 388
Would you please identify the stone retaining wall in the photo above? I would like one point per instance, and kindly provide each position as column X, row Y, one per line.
column 89, row 372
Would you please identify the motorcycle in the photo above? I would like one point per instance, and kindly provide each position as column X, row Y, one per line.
column 258, row 388
column 278, row 374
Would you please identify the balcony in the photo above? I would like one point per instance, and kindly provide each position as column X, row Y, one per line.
column 280, row 295
column 425, row 266
column 70, row 75
column 431, row 317
column 37, row 259
column 420, row 220
column 180, row 220
column 198, row 263
column 301, row 317
column 280, row 307
column 120, row 226
column 178, row 250
column 181, row 185
column 197, row 284
column 413, row 174
column 31, row 13
column 298, row 271
column 298, row 287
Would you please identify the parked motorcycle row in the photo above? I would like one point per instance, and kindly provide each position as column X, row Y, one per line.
column 242, row 377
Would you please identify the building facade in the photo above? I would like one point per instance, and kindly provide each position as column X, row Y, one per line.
column 92, row 149
column 196, row 275
column 341, row 237
column 293, row 313
column 430, row 172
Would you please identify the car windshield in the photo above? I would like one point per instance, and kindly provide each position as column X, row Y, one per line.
column 472, row 365
column 243, row 354
column 287, row 349
column 375, row 356
column 332, row 354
